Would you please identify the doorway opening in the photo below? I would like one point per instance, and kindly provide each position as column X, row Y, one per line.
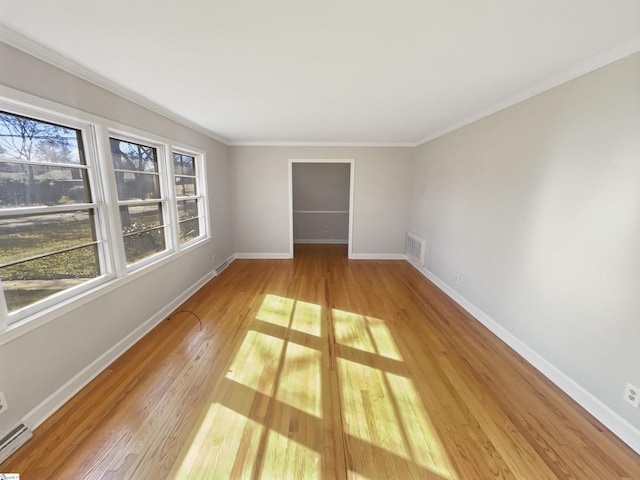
column 321, row 202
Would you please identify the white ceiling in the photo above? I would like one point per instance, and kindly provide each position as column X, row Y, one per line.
column 329, row 71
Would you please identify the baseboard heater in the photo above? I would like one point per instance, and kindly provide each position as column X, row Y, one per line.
column 13, row 441
column 221, row 267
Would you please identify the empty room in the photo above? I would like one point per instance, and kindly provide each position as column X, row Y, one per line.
column 322, row 240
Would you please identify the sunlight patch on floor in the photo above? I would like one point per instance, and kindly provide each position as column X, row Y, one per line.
column 424, row 447
column 300, row 382
column 367, row 409
column 382, row 339
column 307, row 318
column 286, row 458
column 382, row 408
column 276, row 310
column 385, row 412
column 224, row 447
column 267, row 413
column 349, row 328
column 256, row 363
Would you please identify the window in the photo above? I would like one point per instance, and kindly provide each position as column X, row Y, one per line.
column 72, row 219
column 189, row 197
column 140, row 198
column 50, row 229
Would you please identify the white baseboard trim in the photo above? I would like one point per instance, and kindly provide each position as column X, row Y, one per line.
column 259, row 256
column 57, row 399
column 378, row 256
column 322, row 241
column 354, row 256
column 613, row 421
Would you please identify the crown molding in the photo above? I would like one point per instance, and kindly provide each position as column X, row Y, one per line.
column 321, row 144
column 39, row 51
column 626, row 49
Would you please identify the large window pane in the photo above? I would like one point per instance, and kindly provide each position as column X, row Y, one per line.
column 137, row 186
column 189, row 229
column 133, row 156
column 33, row 159
column 23, row 184
column 187, row 209
column 42, row 164
column 189, row 222
column 34, row 280
column 23, row 138
column 25, row 236
column 137, row 179
column 184, row 164
column 139, row 243
column 142, row 229
column 141, row 216
column 186, row 187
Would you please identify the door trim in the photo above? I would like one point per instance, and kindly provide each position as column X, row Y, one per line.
column 352, row 171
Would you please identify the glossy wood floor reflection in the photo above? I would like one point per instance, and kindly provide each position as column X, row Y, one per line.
column 320, row 367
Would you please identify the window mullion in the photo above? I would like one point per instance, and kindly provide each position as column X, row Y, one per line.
column 173, row 203
column 113, row 223
column 98, row 186
column 203, row 195
column 165, row 174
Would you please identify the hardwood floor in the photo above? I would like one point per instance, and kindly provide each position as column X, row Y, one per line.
column 320, row 367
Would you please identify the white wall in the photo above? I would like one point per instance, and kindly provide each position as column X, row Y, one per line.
column 537, row 209
column 37, row 364
column 320, row 187
column 260, row 197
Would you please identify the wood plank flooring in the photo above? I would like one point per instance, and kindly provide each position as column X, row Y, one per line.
column 321, row 367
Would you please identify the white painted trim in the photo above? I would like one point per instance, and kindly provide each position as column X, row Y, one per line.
column 615, row 54
column 352, row 176
column 284, row 143
column 35, row 49
column 320, row 211
column 57, row 399
column 258, row 256
column 378, row 256
column 321, row 241
column 613, row 421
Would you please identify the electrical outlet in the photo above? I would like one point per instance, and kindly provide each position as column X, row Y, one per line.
column 632, row 395
column 456, row 279
column 325, row 233
column 3, row 403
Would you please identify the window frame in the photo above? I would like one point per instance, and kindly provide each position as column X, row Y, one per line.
column 128, row 135
column 89, row 138
column 200, row 198
column 96, row 131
